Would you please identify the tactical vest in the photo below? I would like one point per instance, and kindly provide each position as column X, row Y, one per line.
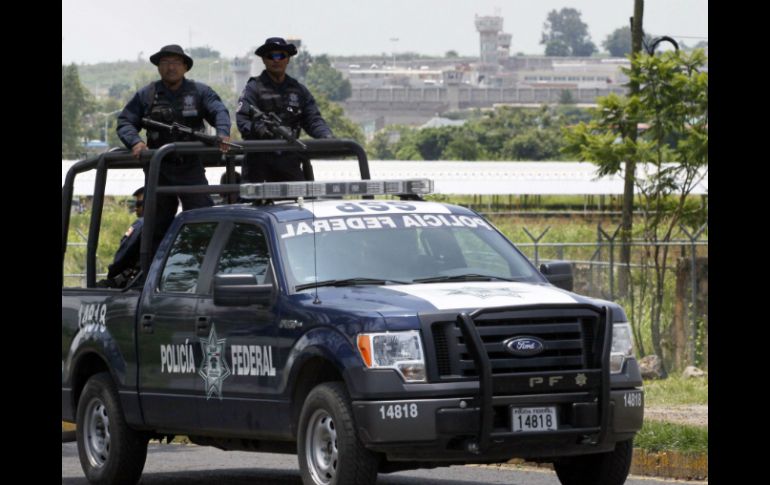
column 186, row 109
column 287, row 105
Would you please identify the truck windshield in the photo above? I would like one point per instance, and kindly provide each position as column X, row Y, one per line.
column 384, row 248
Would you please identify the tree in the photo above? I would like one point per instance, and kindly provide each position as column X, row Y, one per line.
column 618, row 43
column 203, row 53
column 323, row 79
column 565, row 34
column 464, row 146
column 672, row 99
column 566, row 97
column 503, row 134
column 335, row 117
column 73, row 97
column 119, row 91
column 385, row 144
column 451, row 54
column 300, row 65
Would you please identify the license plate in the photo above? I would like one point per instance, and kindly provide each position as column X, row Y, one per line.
column 527, row 420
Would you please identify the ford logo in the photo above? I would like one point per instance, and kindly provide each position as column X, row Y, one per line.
column 524, row 346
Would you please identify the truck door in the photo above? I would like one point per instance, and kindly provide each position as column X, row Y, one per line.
column 240, row 396
column 168, row 345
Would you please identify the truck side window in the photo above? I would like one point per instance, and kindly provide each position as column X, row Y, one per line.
column 246, row 253
column 183, row 266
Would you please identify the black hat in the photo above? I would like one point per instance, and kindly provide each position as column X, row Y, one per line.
column 172, row 49
column 275, row 44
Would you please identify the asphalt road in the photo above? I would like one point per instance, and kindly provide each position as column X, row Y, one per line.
column 194, row 465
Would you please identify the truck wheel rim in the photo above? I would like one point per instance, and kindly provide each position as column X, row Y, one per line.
column 321, row 447
column 97, row 433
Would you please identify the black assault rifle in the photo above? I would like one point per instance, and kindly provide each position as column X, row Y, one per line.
column 175, row 128
column 274, row 125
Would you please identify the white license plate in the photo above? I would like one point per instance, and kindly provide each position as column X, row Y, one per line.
column 533, row 419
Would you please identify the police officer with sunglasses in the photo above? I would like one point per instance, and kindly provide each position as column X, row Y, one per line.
column 274, row 91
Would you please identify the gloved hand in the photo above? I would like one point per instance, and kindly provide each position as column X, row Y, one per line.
column 260, row 130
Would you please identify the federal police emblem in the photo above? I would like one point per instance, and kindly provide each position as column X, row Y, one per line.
column 214, row 369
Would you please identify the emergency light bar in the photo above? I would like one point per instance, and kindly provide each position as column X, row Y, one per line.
column 283, row 190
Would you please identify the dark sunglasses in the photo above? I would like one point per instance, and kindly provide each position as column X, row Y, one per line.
column 277, row 56
column 138, row 203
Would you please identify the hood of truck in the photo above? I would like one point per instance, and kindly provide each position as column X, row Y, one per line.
column 430, row 297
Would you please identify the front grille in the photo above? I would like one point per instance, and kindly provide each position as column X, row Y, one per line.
column 570, row 343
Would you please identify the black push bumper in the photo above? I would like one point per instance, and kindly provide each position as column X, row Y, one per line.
column 448, row 429
column 590, row 417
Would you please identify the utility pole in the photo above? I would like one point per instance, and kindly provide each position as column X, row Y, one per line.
column 627, row 221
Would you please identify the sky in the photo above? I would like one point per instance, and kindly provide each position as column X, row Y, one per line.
column 110, row 30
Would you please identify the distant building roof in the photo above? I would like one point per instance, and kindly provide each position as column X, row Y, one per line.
column 438, row 122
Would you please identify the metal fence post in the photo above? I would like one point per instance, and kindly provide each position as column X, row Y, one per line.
column 535, row 241
column 611, row 239
column 693, row 288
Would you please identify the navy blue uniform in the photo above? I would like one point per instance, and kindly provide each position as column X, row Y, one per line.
column 189, row 105
column 296, row 107
column 127, row 256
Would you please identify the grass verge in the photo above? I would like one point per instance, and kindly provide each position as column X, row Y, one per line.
column 662, row 436
column 676, row 390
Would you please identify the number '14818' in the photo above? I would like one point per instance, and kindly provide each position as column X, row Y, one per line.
column 398, row 411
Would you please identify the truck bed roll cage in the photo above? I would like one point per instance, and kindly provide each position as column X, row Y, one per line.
column 122, row 159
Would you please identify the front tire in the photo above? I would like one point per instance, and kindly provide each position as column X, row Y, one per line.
column 328, row 447
column 598, row 469
column 110, row 452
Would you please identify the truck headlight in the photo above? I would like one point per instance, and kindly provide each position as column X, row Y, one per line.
column 401, row 351
column 622, row 346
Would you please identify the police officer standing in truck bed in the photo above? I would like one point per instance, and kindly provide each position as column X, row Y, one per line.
column 173, row 99
column 275, row 92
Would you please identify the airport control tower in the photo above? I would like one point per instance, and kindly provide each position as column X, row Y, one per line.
column 241, row 68
column 489, row 27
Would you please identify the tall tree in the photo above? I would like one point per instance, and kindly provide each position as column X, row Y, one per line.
column 618, row 43
column 324, row 79
column 73, row 97
column 565, row 34
column 672, row 99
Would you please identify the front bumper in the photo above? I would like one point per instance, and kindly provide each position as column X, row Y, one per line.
column 591, row 413
column 447, row 429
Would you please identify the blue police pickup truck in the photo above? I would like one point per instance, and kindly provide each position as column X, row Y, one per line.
column 365, row 335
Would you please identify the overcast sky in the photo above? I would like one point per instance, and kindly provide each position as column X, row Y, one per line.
column 110, row 30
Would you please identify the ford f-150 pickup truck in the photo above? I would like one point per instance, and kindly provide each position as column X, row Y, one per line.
column 365, row 335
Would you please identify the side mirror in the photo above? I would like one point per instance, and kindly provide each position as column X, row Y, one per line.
column 558, row 273
column 241, row 290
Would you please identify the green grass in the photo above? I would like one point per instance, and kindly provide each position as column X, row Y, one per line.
column 662, row 436
column 115, row 221
column 676, row 390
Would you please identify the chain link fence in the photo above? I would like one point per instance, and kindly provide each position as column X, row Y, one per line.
column 599, row 273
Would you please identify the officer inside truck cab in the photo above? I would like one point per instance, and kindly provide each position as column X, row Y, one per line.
column 173, row 98
column 125, row 266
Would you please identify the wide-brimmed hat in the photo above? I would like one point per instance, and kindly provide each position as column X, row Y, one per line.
column 276, row 44
column 172, row 49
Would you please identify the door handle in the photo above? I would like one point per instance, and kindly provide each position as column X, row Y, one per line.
column 202, row 324
column 147, row 323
